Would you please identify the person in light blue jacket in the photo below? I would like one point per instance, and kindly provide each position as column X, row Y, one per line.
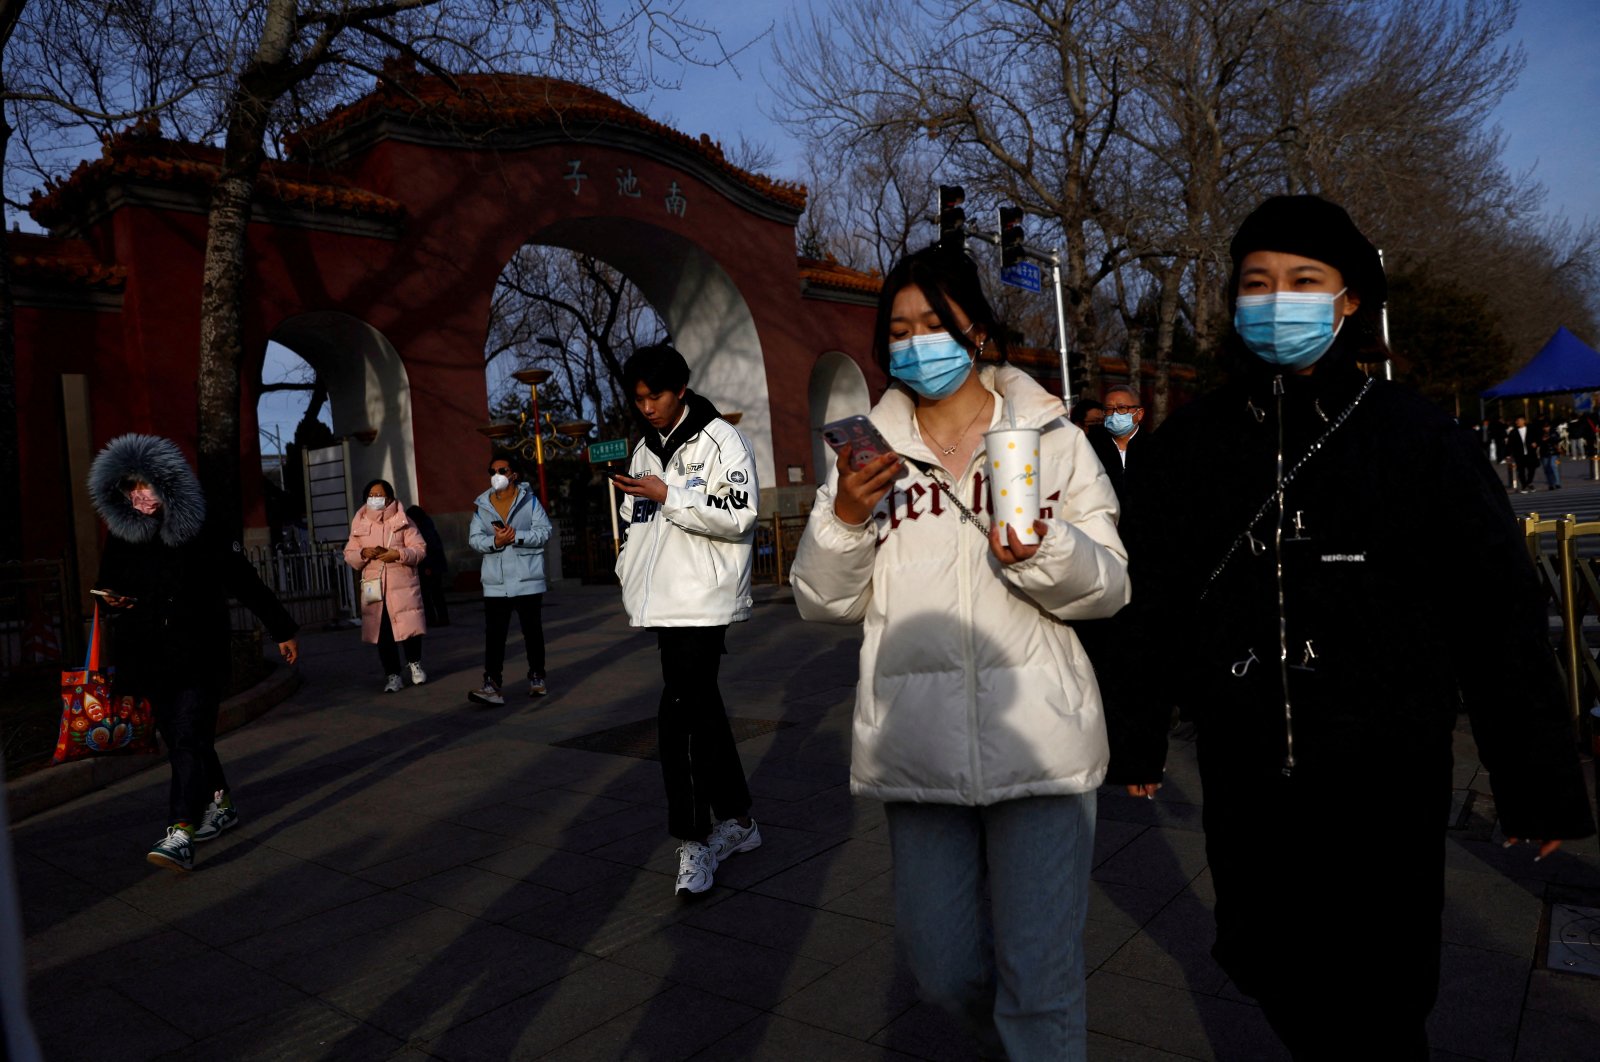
column 510, row 528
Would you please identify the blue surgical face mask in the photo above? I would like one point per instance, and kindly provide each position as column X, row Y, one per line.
column 1119, row 423
column 1290, row 329
column 377, row 504
column 934, row 365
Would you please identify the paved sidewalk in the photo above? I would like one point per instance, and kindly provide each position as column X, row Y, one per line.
column 417, row 878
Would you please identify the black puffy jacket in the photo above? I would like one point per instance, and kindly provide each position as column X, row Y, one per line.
column 1406, row 593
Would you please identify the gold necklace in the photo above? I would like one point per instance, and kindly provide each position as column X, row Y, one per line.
column 948, row 450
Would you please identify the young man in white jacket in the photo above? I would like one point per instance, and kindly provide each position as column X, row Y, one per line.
column 690, row 516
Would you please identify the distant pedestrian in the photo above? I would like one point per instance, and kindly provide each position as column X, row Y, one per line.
column 1118, row 438
column 510, row 528
column 1550, row 455
column 385, row 549
column 1322, row 660
column 689, row 519
column 978, row 720
column 167, row 574
column 1087, row 413
column 1522, row 449
column 433, row 570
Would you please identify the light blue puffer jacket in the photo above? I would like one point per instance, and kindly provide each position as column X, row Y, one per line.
column 516, row 570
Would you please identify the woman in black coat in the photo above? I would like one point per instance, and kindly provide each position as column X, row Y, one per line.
column 1339, row 573
column 167, row 576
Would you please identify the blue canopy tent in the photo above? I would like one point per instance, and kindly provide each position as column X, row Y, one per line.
column 1564, row 365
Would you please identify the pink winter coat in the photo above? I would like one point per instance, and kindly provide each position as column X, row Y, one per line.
column 390, row 528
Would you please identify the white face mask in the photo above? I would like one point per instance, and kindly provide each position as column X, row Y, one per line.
column 499, row 481
column 377, row 504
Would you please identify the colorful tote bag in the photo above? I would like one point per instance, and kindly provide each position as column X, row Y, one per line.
column 94, row 721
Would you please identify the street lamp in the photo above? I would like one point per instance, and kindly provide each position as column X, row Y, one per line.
column 533, row 378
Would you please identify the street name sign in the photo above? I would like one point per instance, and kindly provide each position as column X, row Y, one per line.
column 1024, row 275
column 609, row 450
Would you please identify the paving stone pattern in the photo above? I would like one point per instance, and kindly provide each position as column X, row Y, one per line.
column 416, row 877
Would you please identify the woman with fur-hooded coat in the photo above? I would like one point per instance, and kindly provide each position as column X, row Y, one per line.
column 167, row 576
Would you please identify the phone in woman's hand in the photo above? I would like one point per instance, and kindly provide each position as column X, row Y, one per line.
column 866, row 443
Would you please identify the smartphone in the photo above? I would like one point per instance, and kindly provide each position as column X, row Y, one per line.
column 861, row 435
column 498, row 525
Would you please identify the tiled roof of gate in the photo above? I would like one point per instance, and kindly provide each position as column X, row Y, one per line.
column 142, row 154
column 47, row 261
column 827, row 273
column 509, row 101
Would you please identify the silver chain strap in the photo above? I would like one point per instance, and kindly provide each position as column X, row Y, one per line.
column 1249, row 530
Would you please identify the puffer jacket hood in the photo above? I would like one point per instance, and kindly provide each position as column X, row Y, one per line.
column 158, row 462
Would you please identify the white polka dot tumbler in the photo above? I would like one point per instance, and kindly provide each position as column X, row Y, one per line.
column 1012, row 466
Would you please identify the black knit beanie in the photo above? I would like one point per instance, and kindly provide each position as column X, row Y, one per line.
column 1312, row 227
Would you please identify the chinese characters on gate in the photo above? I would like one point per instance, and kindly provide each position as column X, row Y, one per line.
column 628, row 187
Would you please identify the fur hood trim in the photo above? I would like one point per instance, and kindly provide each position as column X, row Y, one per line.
column 161, row 464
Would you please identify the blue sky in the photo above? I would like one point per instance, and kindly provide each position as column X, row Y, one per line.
column 1549, row 119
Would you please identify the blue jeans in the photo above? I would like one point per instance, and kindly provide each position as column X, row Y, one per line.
column 1015, row 972
column 1552, row 470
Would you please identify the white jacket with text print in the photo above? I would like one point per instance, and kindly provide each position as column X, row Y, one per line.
column 972, row 689
column 686, row 562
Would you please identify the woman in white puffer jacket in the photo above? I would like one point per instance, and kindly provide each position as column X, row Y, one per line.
column 977, row 720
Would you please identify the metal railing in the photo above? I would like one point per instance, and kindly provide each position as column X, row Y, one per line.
column 315, row 585
column 1572, row 585
column 777, row 539
column 39, row 621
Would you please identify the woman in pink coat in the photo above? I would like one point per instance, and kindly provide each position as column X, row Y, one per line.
column 385, row 547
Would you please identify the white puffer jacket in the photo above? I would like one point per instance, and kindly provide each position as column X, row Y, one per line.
column 686, row 562
column 972, row 691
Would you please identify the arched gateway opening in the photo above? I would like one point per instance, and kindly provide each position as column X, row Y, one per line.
column 701, row 307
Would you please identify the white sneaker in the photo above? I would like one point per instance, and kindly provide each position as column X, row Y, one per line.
column 393, row 684
column 696, row 866
column 418, row 676
column 729, row 837
column 489, row 693
column 216, row 819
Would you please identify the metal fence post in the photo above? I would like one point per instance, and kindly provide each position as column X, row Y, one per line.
column 1571, row 622
column 777, row 546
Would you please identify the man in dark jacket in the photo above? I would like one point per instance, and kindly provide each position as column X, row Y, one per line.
column 1323, row 638
column 167, row 576
column 1522, row 446
column 1118, row 438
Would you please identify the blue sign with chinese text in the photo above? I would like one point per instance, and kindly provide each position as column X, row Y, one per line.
column 1024, row 275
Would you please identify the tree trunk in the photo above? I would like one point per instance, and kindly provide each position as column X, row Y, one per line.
column 10, row 437
column 223, row 273
column 1166, row 327
column 221, row 346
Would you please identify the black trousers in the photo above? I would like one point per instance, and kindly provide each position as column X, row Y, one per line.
column 699, row 761
column 497, row 621
column 434, row 609
column 187, row 721
column 388, row 652
column 1527, row 468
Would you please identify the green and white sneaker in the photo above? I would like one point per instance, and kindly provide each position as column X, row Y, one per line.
column 174, row 851
column 216, row 819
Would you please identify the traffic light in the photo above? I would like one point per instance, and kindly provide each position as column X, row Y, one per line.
column 952, row 218
column 1010, row 236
